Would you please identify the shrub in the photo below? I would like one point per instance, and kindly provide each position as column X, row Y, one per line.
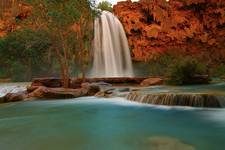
column 218, row 71
column 105, row 6
column 184, row 71
column 24, row 55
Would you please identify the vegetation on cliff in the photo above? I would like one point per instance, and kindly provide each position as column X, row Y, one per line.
column 105, row 5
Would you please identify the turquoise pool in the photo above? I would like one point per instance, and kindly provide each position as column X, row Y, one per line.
column 108, row 124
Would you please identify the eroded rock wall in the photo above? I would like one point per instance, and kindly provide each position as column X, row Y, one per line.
column 11, row 16
column 193, row 27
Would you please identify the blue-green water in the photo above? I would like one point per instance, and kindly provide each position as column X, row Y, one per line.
column 108, row 124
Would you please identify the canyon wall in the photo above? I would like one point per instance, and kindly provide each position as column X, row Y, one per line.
column 192, row 27
column 11, row 14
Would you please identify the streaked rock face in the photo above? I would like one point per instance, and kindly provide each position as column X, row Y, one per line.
column 194, row 27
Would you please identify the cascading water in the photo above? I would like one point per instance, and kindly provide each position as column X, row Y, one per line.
column 179, row 99
column 111, row 51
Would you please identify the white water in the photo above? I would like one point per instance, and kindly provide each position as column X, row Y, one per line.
column 12, row 88
column 111, row 51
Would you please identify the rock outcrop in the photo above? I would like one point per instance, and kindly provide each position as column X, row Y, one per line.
column 43, row 92
column 192, row 27
column 152, row 81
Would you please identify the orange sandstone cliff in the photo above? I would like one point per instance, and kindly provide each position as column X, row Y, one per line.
column 10, row 17
column 193, row 27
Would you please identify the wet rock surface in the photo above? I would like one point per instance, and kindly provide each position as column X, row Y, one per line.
column 152, row 81
column 43, row 92
column 179, row 99
column 14, row 97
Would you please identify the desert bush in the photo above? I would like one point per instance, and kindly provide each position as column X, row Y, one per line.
column 184, row 70
column 218, row 71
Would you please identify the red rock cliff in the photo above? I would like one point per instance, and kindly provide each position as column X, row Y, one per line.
column 194, row 27
column 10, row 16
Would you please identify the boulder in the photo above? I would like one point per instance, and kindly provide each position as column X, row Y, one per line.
column 91, row 89
column 63, row 93
column 55, row 93
column 42, row 92
column 152, row 81
column 105, row 94
column 14, row 97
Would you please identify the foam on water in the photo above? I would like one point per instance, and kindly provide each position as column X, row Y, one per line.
column 12, row 88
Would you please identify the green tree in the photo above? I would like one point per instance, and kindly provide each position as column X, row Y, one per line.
column 69, row 24
column 184, row 70
column 23, row 54
column 105, row 5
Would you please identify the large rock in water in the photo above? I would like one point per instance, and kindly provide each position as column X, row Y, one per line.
column 63, row 93
column 187, row 26
column 152, row 81
column 179, row 99
column 14, row 97
column 42, row 92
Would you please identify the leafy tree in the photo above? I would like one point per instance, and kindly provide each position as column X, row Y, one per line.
column 23, row 54
column 105, row 5
column 69, row 26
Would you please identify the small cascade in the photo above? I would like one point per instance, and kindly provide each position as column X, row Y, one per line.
column 179, row 99
column 111, row 51
column 11, row 89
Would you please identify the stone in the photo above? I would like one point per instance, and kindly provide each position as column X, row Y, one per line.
column 92, row 89
column 105, row 94
column 14, row 97
column 63, row 93
column 152, row 81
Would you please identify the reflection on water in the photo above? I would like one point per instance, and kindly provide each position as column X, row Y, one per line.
column 108, row 124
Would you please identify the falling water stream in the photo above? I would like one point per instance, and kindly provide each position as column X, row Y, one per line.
column 111, row 51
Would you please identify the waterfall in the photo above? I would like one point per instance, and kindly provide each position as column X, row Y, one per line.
column 11, row 89
column 111, row 51
column 179, row 99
